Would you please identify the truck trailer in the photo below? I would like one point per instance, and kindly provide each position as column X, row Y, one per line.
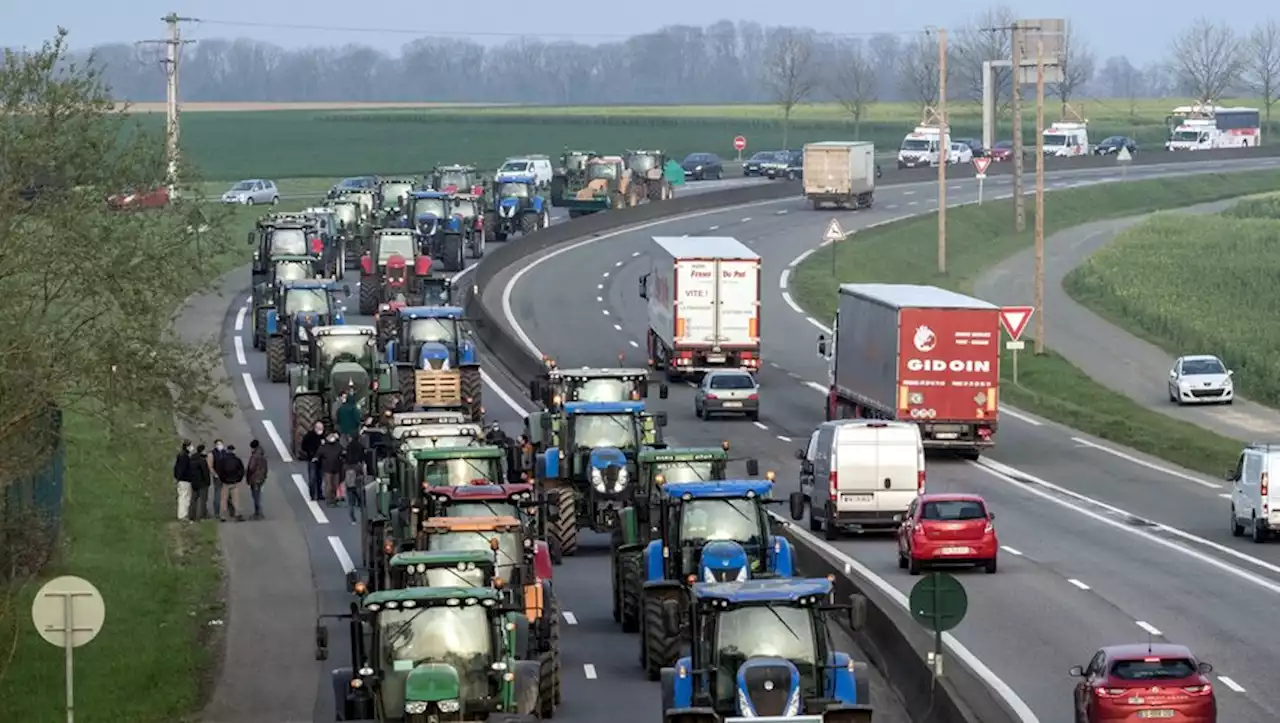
column 703, row 295
column 920, row 354
column 841, row 173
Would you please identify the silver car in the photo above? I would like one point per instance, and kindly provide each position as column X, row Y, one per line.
column 727, row 392
column 253, row 191
column 1200, row 379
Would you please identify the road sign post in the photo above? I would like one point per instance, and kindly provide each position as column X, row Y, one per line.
column 1014, row 320
column 834, row 233
column 68, row 612
column 938, row 602
column 980, row 167
column 739, row 145
column 1124, row 157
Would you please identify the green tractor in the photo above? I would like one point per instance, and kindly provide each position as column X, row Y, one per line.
column 274, row 235
column 350, row 231
column 298, row 307
column 655, row 174
column 283, row 268
column 340, row 360
column 570, row 175
column 425, row 654
column 389, row 203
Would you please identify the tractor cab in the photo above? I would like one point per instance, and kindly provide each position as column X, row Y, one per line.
column 283, row 268
column 392, row 269
column 658, row 467
column 458, row 466
column 366, row 200
column 466, row 223
column 436, row 362
column 298, row 307
column 605, row 168
column 347, row 217
column 574, row 163
column 426, row 213
column 275, row 236
column 654, row 173
column 558, row 386
column 340, row 360
column 437, row 291
column 436, row 653
column 761, row 649
column 509, row 500
column 448, row 568
column 519, row 559
column 392, row 194
column 518, row 206
column 456, row 179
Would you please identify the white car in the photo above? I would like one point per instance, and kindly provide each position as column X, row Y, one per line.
column 1200, row 379
column 252, row 191
column 959, row 153
column 537, row 167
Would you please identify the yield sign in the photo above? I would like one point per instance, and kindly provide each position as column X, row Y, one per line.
column 834, row 232
column 980, row 165
column 1014, row 319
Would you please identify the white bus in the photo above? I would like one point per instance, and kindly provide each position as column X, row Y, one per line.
column 1206, row 127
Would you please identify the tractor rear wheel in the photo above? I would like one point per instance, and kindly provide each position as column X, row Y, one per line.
column 659, row 651
column 555, row 651
column 277, row 359
column 472, row 390
column 368, row 295
column 404, row 382
column 528, row 223
column 451, row 253
column 307, row 409
column 546, row 685
column 654, row 191
column 259, row 329
column 562, row 522
column 631, row 572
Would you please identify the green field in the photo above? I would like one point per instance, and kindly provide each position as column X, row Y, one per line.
column 1156, row 281
column 979, row 237
column 330, row 143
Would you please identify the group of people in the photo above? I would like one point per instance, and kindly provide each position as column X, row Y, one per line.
column 197, row 471
column 340, row 460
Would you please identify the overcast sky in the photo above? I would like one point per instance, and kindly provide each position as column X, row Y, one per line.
column 1111, row 27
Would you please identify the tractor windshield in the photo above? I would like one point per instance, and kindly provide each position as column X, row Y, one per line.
column 460, row 472
column 435, row 292
column 602, row 170
column 454, row 179
column 336, row 348
column 293, row 270
column 345, row 213
column 762, row 631
column 494, row 508
column 682, row 471
column 513, row 190
column 396, row 245
column 576, row 161
column 604, row 390
column 428, row 207
column 458, row 636
column 415, row 443
column 604, row 430
column 288, row 242
column 719, row 519
column 465, row 207
column 453, row 577
column 509, row 551
column 306, row 300
column 440, row 330
column 643, row 162
column 393, row 193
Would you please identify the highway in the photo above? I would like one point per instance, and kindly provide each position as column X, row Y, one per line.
column 1101, row 545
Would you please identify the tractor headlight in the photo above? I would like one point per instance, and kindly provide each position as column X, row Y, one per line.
column 449, row 706
column 302, row 333
column 622, row 480
column 597, row 479
column 415, row 707
column 742, row 577
column 366, row 671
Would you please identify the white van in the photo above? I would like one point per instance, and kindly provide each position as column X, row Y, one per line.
column 537, row 166
column 1255, row 505
column 1066, row 139
column 859, row 473
column 920, row 147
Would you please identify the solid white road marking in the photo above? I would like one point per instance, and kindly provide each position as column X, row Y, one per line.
column 316, row 511
column 340, row 551
column 240, row 318
column 1077, row 583
column 1145, row 463
column 1231, row 684
column 1011, row 551
column 817, row 386
column 1021, row 417
column 240, row 358
column 1151, row 629
column 281, row 448
column 252, row 390
column 761, row 426
column 569, row 618
column 502, row 394
column 589, row 670
column 796, row 261
column 782, row 280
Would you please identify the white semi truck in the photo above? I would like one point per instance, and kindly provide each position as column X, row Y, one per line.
column 703, row 295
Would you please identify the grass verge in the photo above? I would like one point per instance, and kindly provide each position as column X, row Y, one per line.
column 981, row 236
column 1153, row 280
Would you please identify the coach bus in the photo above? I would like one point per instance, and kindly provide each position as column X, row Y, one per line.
column 1205, row 127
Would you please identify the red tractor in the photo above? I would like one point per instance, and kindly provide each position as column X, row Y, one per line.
column 392, row 270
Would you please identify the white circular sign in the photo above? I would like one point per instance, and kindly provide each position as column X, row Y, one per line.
column 49, row 611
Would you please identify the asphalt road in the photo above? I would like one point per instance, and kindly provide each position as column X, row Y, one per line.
column 1124, row 363
column 1101, row 545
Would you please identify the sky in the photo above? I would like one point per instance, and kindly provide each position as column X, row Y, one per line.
column 1111, row 27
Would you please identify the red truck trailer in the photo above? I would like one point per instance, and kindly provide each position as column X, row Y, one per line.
column 920, row 354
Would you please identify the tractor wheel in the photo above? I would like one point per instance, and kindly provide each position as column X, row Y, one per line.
column 546, row 685
column 472, row 391
column 555, row 651
column 490, row 224
column 368, row 295
column 618, row 200
column 404, row 382
column 633, row 196
column 451, row 253
column 631, row 573
column 528, row 223
column 615, row 575
column 558, row 184
column 562, row 524
column 659, row 651
column 654, row 191
column 259, row 329
column 277, row 359
column 307, row 410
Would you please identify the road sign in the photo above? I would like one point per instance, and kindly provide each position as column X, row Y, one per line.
column 68, row 612
column 1015, row 345
column 980, row 165
column 1124, row 156
column 1014, row 319
column 939, row 602
column 740, row 143
column 834, row 232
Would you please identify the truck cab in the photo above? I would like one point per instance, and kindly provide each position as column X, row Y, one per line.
column 920, row 147
column 1064, row 139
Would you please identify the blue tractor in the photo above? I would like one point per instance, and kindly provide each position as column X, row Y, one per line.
column 300, row 305
column 714, row 531
column 436, row 363
column 762, row 649
column 517, row 206
column 440, row 231
column 586, row 463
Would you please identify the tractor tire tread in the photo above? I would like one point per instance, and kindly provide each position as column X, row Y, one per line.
column 277, row 359
column 660, row 652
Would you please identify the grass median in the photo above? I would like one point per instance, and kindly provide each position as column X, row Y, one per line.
column 1157, row 281
column 979, row 237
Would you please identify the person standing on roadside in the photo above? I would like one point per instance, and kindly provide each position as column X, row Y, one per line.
column 219, row 499
column 309, row 450
column 348, row 417
column 183, row 477
column 230, row 470
column 256, row 476
column 331, row 462
column 200, row 488
column 354, row 459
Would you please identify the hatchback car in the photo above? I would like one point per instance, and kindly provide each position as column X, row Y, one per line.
column 754, row 166
column 702, row 166
column 253, row 191
column 1111, row 145
column 1002, row 151
column 727, row 392
column 1141, row 681
column 960, row 152
column 1201, row 379
column 947, row 529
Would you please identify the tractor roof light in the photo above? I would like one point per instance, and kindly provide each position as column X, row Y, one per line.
column 388, row 547
column 770, row 475
column 725, row 445
column 360, row 588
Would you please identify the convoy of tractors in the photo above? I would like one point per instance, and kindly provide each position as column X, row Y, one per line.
column 453, row 613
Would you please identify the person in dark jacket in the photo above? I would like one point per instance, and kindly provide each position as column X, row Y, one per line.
column 348, row 416
column 200, row 488
column 183, row 477
column 256, row 476
column 229, row 469
column 308, row 451
column 354, row 459
column 331, row 460
column 219, row 499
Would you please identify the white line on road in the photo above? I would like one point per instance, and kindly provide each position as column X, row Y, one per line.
column 1151, row 629
column 589, row 670
column 1011, row 551
column 619, row 328
column 240, row 318
column 717, row 228
column 908, row 193
column 782, row 212
column 1231, row 684
column 635, row 344
column 316, row 511
column 502, row 394
column 605, row 274
column 637, row 253
column 785, row 439
column 796, row 261
column 782, row 280
column 281, row 448
column 817, row 386
column 913, row 203
column 599, row 286
column 1145, row 463
column 569, row 618
column 748, row 218
column 606, row 311
column 251, row 389
column 1022, row 417
column 248, row 300
column 618, row 264
column 761, row 426
column 1225, row 495
column 1077, row 583
column 239, row 344
column 341, row 551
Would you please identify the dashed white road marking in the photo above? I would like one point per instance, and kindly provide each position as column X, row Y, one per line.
column 816, row 386
column 780, row 212
column 913, row 203
column 600, row 299
column 714, row 228
column 605, row 274
column 1225, row 495
column 606, row 311
column 251, row 389
column 1144, row 463
column 761, row 425
column 633, row 343
column 618, row 264
column 1231, row 684
column 240, row 318
column 589, row 670
column 1077, row 583
column 340, row 551
column 745, row 220
column 1011, row 551
column 316, row 511
column 891, row 206
column 569, row 618
column 282, row 449
column 239, row 344
column 784, row 439
column 1151, row 629
column 599, row 286
column 619, row 328
column 908, row 193
column 635, row 254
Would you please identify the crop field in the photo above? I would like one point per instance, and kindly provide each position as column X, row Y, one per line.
column 1157, row 281
column 230, row 141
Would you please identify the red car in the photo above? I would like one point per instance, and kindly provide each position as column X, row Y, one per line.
column 1142, row 682
column 947, row 529
column 141, row 198
column 1001, row 151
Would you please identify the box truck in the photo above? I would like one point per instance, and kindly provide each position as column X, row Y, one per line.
column 920, row 354
column 703, row 294
column 840, row 173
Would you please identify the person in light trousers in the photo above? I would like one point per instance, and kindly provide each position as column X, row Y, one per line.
column 184, row 474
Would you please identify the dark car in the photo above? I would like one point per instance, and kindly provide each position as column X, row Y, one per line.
column 1144, row 681
column 354, row 183
column 702, row 166
column 1001, row 151
column 1112, row 145
column 975, row 145
column 786, row 164
column 753, row 166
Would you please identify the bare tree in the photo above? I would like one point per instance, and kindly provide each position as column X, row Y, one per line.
column 1207, row 59
column 853, row 82
column 790, row 73
column 1078, row 64
column 1262, row 65
column 918, row 71
column 982, row 40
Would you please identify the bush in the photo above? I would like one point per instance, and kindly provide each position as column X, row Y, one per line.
column 1257, row 207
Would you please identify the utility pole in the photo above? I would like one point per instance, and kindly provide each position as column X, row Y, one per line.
column 944, row 147
column 173, row 53
column 1039, row 301
column 1019, row 201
